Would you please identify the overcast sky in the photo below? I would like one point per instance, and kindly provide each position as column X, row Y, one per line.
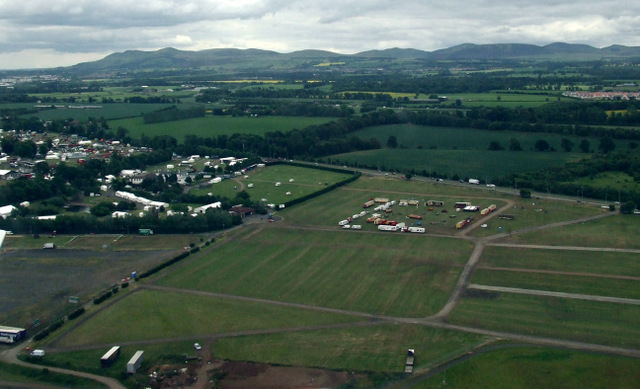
column 46, row 33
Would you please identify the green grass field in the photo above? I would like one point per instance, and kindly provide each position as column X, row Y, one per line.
column 482, row 164
column 533, row 367
column 613, row 182
column 582, row 284
column 373, row 348
column 305, row 181
column 452, row 138
column 28, row 376
column 213, row 126
column 156, row 314
column 395, row 274
column 585, row 321
column 617, row 231
column 606, row 263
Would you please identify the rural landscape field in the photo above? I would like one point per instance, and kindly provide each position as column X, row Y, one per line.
column 325, row 224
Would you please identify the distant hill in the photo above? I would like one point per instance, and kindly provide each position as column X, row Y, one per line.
column 255, row 59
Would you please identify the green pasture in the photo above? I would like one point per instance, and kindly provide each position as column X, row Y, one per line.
column 213, row 126
column 593, row 262
column 381, row 348
column 151, row 314
column 617, row 231
column 536, row 367
column 537, row 212
column 27, row 376
column 454, row 138
column 579, row 284
column 108, row 111
column 305, row 181
column 500, row 98
column 580, row 320
column 485, row 165
column 612, row 182
column 391, row 274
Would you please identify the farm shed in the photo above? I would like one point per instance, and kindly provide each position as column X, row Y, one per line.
column 11, row 334
column 241, row 211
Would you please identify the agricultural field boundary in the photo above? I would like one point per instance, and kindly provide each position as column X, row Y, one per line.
column 568, row 248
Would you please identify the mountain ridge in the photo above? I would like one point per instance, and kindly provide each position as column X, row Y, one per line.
column 171, row 58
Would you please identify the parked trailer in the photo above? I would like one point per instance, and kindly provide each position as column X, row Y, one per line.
column 356, row 227
column 382, row 200
column 384, row 227
column 418, row 230
column 435, row 203
column 413, row 216
column 461, row 224
column 368, row 204
column 461, row 204
column 343, row 222
column 134, row 363
column 474, row 181
column 110, row 356
column 488, row 210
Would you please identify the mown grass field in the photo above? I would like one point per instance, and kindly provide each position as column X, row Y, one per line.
column 617, row 231
column 305, row 181
column 603, row 263
column 213, row 126
column 580, row 320
column 152, row 314
column 102, row 242
column 373, row 348
column 580, row 284
column 394, row 273
column 533, row 367
column 481, row 164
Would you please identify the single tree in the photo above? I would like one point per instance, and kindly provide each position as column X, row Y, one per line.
column 495, row 145
column 542, row 145
column 585, row 146
column 606, row 145
column 566, row 145
column 392, row 142
column 514, row 145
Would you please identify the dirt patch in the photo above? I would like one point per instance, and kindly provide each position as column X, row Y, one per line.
column 240, row 375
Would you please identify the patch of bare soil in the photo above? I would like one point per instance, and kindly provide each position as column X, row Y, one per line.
column 240, row 375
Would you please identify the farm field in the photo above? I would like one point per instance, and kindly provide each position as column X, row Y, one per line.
column 586, row 321
column 567, row 283
column 486, row 165
column 154, row 314
column 61, row 273
column 317, row 268
column 213, row 126
column 613, row 182
column 108, row 111
column 498, row 98
column 102, row 242
column 522, row 367
column 453, row 138
column 617, row 231
column 373, row 348
column 594, row 262
column 305, row 181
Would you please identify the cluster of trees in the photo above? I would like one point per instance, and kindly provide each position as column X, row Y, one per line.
column 564, row 179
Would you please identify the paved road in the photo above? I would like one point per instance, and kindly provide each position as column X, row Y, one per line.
column 569, row 248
